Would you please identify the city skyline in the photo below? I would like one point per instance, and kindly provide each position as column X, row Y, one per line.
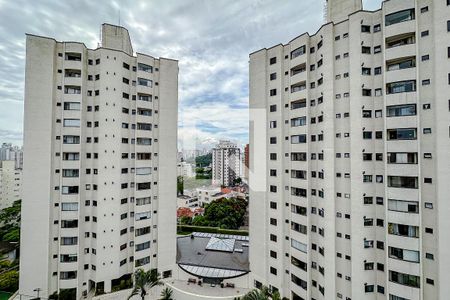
column 213, row 54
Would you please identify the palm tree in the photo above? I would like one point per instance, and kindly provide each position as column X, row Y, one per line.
column 144, row 280
column 262, row 294
column 166, row 294
column 255, row 295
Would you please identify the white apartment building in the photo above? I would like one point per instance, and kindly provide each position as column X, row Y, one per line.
column 10, row 152
column 226, row 163
column 100, row 142
column 185, row 169
column 10, row 183
column 349, row 163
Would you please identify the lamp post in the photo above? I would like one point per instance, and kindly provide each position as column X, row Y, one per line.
column 37, row 290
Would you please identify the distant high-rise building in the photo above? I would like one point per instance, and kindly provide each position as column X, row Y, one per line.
column 100, row 140
column 226, row 163
column 10, row 152
column 246, row 160
column 10, row 183
column 349, row 152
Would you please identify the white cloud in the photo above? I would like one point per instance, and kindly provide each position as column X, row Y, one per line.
column 211, row 40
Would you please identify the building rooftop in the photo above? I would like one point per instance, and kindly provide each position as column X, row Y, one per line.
column 213, row 255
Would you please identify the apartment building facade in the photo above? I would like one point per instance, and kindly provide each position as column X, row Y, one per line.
column 349, row 163
column 226, row 163
column 10, row 183
column 10, row 152
column 100, row 140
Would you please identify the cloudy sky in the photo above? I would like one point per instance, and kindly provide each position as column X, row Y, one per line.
column 210, row 38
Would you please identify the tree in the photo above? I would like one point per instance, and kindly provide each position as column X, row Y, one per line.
column 180, row 185
column 10, row 223
column 262, row 294
column 185, row 220
column 203, row 160
column 166, row 294
column 255, row 295
column 144, row 280
column 9, row 281
column 237, row 181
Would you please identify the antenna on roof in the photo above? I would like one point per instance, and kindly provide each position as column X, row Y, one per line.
column 119, row 16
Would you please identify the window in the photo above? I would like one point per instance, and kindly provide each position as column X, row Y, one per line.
column 143, row 186
column 301, row 283
column 273, row 76
column 73, row 56
column 298, row 87
column 377, row 49
column 142, row 246
column 298, row 192
column 401, row 64
column 448, row 26
column 71, row 123
column 144, row 126
column 71, row 139
column 298, row 104
column 70, row 172
column 69, row 89
column 402, row 134
column 376, row 27
column 273, row 92
column 369, row 288
column 273, row 60
column 401, row 110
column 404, row 279
column 71, row 156
column 145, row 68
column 144, row 82
column 365, row 28
column 298, row 139
column 298, row 69
column 400, row 40
column 297, row 52
column 400, row 16
column 366, row 71
column 69, row 206
column 402, row 157
column 298, row 156
column 142, row 261
column 144, row 97
column 377, row 70
column 69, row 190
column 403, row 206
column 143, row 171
column 142, row 216
column 367, row 135
column 367, row 92
column 365, row 50
column 401, row 87
column 408, row 182
column 300, row 121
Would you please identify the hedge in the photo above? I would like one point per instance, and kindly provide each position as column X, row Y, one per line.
column 189, row 228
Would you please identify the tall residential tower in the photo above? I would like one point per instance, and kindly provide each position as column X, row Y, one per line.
column 226, row 163
column 100, row 140
column 349, row 163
